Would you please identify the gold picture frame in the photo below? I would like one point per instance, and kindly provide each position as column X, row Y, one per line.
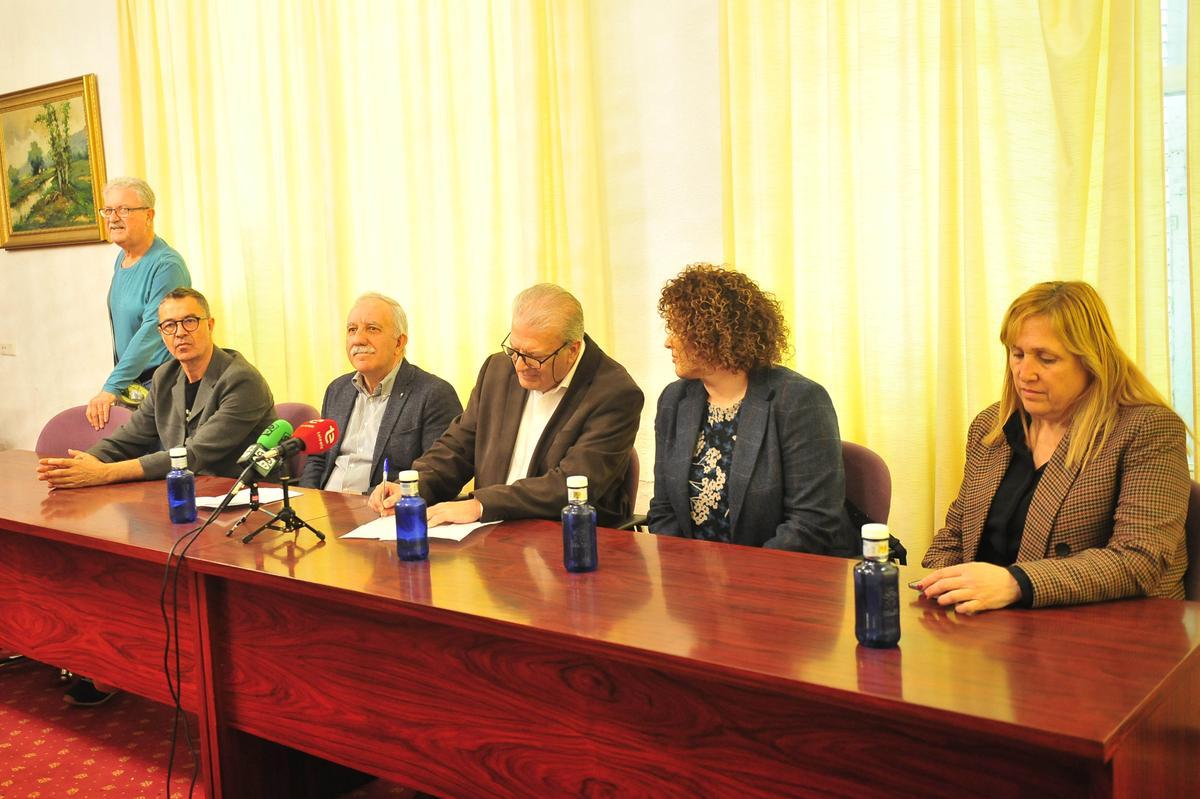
column 51, row 165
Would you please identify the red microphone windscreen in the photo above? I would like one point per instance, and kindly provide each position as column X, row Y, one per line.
column 318, row 435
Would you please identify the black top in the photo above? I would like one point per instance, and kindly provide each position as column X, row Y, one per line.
column 189, row 397
column 1005, row 525
column 712, row 462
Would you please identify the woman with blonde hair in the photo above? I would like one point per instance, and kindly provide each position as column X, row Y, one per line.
column 1076, row 483
column 746, row 451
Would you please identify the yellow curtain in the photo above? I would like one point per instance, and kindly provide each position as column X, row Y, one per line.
column 305, row 152
column 899, row 172
column 1193, row 207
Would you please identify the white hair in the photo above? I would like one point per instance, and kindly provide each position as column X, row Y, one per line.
column 137, row 184
column 399, row 318
column 549, row 307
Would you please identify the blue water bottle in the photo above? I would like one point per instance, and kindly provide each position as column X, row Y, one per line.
column 181, row 489
column 876, row 591
column 579, row 527
column 412, row 531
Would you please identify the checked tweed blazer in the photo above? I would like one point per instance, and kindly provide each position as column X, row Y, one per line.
column 1113, row 529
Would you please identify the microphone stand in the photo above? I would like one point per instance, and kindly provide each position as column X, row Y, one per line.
column 287, row 520
column 251, row 483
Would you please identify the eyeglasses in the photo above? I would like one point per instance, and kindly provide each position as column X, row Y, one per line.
column 121, row 211
column 530, row 361
column 188, row 323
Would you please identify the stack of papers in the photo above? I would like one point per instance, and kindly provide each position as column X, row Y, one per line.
column 242, row 498
column 384, row 529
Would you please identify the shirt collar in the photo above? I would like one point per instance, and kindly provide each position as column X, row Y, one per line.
column 565, row 383
column 384, row 389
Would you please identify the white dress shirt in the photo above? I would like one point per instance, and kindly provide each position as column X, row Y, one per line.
column 539, row 407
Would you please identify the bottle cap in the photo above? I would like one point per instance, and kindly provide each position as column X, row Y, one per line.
column 407, row 476
column 178, row 456
column 577, row 481
column 875, row 532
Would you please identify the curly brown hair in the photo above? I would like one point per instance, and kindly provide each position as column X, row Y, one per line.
column 723, row 319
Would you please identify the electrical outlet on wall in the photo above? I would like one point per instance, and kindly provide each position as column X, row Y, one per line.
column 8, row 348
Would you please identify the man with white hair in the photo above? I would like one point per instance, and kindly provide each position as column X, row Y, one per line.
column 389, row 410
column 551, row 404
column 145, row 270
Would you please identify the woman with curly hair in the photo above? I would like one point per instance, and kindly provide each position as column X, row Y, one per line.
column 746, row 451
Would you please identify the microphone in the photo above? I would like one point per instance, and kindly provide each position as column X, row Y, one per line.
column 314, row 437
column 259, row 459
column 277, row 431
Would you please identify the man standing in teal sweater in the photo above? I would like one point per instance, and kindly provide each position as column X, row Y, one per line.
column 145, row 270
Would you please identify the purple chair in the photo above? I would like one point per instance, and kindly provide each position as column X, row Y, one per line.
column 1191, row 530
column 868, row 481
column 632, row 472
column 296, row 413
column 69, row 429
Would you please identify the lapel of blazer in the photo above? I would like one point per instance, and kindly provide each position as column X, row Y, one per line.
column 751, row 430
column 975, row 513
column 584, row 374
column 1047, row 501
column 391, row 414
column 341, row 407
column 689, row 417
column 510, row 422
column 216, row 367
column 174, row 431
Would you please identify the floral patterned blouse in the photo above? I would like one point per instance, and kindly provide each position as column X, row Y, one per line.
column 711, row 461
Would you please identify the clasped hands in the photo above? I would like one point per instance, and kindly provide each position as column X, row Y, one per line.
column 77, row 471
column 383, row 501
column 971, row 587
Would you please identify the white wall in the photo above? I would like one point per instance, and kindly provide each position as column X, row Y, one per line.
column 657, row 76
column 658, row 89
column 52, row 300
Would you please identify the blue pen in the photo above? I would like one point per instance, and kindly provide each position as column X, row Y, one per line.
column 385, row 470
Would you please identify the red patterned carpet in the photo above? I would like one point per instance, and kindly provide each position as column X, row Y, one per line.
column 117, row 751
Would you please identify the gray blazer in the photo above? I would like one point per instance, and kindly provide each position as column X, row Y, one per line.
column 419, row 410
column 232, row 407
column 786, row 486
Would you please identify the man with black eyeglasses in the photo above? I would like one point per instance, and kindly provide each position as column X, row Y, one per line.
column 145, row 270
column 549, row 405
column 208, row 399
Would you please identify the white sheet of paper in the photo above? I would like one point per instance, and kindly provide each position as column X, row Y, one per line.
column 384, row 529
column 242, row 498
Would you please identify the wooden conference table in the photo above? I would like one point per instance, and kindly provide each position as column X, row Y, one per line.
column 679, row 668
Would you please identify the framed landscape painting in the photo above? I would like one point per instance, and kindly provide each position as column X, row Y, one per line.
column 52, row 157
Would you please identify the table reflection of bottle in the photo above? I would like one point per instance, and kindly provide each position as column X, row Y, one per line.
column 581, row 602
column 879, row 671
column 415, row 582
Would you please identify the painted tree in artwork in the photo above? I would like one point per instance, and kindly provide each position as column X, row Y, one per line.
column 57, row 122
column 37, row 159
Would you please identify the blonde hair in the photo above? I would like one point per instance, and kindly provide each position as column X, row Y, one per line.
column 1081, row 322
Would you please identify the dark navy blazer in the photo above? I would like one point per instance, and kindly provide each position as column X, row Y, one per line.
column 786, row 486
column 419, row 410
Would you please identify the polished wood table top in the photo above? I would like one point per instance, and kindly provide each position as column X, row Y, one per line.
column 127, row 518
column 1072, row 679
column 1069, row 679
